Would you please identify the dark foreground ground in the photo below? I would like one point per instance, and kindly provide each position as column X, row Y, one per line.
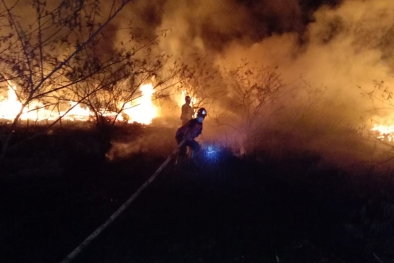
column 58, row 190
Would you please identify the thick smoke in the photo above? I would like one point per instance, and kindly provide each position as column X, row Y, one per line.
column 344, row 48
column 210, row 26
column 324, row 52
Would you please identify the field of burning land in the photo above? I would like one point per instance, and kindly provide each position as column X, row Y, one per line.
column 293, row 207
column 297, row 147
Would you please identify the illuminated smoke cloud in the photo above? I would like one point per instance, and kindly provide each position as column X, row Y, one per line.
column 324, row 50
column 331, row 47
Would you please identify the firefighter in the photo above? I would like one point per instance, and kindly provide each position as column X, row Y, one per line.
column 187, row 111
column 188, row 132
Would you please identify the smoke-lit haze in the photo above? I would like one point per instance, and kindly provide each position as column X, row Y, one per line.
column 324, row 51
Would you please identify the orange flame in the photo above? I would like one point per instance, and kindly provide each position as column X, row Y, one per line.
column 10, row 107
column 385, row 132
column 141, row 110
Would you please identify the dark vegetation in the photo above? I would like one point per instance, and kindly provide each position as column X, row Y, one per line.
column 57, row 189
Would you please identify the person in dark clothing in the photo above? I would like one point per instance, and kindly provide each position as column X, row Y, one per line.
column 188, row 132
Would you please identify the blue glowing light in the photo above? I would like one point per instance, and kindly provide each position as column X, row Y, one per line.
column 211, row 153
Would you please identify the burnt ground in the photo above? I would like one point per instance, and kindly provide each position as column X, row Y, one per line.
column 58, row 189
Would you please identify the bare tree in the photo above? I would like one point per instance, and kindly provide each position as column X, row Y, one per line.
column 381, row 95
column 202, row 81
column 382, row 98
column 41, row 53
column 251, row 88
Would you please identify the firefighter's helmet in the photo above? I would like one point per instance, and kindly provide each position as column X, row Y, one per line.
column 187, row 98
column 202, row 112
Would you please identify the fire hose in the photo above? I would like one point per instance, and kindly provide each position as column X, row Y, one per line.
column 121, row 209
